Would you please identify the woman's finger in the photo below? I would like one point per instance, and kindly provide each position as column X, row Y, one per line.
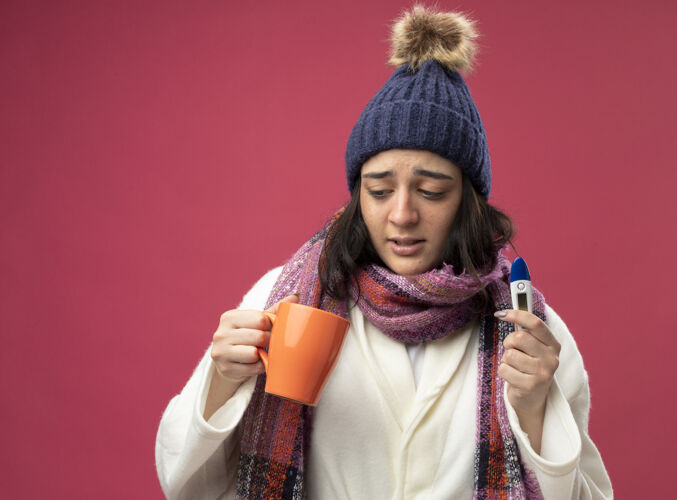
column 240, row 370
column 520, row 361
column 516, row 378
column 294, row 299
column 525, row 342
column 531, row 323
column 244, row 336
column 244, row 354
column 237, row 318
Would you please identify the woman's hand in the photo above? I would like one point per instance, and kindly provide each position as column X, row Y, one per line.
column 234, row 352
column 528, row 366
column 234, row 347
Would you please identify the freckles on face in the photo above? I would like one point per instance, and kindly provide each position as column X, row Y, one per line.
column 409, row 200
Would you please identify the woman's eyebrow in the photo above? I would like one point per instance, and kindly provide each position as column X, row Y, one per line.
column 417, row 171
column 430, row 173
column 378, row 175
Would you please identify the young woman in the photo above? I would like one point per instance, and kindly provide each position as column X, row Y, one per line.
column 434, row 395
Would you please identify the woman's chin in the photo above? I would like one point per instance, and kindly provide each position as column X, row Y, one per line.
column 408, row 267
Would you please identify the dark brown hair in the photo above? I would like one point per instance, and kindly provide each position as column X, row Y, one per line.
column 477, row 233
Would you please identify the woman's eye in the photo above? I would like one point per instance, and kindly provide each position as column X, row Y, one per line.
column 377, row 193
column 431, row 195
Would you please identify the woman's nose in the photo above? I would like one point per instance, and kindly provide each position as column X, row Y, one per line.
column 403, row 212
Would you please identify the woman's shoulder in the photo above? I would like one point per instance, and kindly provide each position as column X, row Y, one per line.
column 257, row 295
column 571, row 372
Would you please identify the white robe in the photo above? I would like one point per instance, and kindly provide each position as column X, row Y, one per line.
column 377, row 434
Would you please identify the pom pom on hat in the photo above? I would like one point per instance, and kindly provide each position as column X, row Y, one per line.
column 423, row 34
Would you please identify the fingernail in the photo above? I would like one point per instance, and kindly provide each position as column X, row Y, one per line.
column 500, row 314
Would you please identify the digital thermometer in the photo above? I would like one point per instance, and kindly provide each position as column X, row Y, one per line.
column 520, row 287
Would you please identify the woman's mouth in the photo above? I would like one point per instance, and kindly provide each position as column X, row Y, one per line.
column 405, row 247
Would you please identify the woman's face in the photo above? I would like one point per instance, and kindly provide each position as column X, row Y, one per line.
column 409, row 199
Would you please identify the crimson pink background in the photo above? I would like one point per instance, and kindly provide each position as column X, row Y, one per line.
column 157, row 157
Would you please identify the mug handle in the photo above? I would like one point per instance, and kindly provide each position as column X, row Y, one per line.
column 262, row 352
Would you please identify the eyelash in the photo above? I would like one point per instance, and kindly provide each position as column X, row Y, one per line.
column 380, row 194
column 431, row 195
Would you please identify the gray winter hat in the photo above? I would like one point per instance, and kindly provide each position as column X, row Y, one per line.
column 426, row 104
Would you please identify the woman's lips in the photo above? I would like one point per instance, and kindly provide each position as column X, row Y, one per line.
column 405, row 247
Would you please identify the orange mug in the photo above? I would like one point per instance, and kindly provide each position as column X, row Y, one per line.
column 304, row 346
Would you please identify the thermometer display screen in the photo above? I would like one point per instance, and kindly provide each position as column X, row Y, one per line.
column 522, row 302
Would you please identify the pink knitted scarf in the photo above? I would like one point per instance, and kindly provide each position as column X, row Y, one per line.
column 276, row 432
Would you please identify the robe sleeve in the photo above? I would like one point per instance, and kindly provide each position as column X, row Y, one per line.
column 569, row 465
column 197, row 458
